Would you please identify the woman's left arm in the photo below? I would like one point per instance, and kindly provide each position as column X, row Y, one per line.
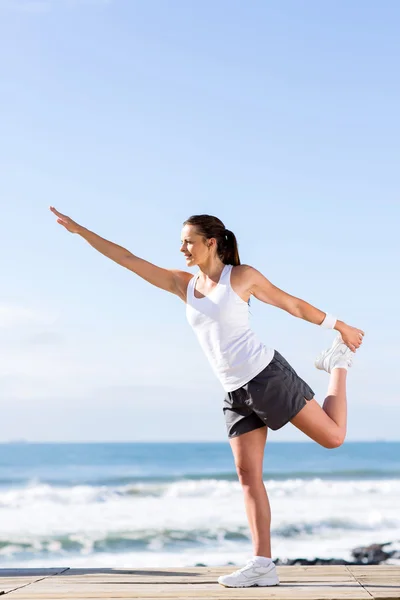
column 262, row 289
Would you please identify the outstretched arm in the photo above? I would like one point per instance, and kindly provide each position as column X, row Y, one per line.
column 262, row 289
column 166, row 279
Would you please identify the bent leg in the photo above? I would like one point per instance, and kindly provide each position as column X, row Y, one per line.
column 248, row 452
column 327, row 425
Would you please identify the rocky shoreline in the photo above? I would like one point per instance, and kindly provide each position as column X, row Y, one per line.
column 375, row 554
column 363, row 555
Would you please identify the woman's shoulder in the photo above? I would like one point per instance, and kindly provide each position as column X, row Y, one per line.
column 242, row 272
column 241, row 280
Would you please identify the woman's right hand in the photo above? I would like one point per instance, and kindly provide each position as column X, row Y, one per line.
column 68, row 223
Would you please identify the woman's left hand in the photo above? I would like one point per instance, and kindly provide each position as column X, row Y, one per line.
column 352, row 337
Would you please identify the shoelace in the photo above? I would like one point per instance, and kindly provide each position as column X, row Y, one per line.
column 250, row 563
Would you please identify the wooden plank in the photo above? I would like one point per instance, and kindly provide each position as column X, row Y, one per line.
column 209, row 574
column 374, row 570
column 381, row 581
column 208, row 591
column 388, row 592
column 330, row 582
column 11, row 579
column 333, row 582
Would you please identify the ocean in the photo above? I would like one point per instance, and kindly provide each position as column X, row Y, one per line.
column 180, row 504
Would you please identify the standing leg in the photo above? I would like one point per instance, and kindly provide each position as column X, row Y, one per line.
column 260, row 570
column 248, row 452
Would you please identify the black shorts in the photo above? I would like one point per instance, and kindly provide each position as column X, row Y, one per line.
column 272, row 398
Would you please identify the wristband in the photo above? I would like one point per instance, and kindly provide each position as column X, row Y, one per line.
column 329, row 322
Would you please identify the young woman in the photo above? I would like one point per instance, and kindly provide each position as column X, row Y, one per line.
column 261, row 389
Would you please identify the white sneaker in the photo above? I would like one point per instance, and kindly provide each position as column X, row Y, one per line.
column 338, row 355
column 252, row 574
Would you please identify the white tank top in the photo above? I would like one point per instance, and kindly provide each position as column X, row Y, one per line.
column 220, row 321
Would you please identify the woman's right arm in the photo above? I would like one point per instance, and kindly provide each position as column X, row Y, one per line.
column 171, row 280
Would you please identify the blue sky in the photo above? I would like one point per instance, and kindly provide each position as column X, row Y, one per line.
column 280, row 118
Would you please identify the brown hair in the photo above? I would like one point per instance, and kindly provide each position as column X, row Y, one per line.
column 212, row 227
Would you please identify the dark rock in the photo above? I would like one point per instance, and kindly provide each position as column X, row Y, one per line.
column 373, row 554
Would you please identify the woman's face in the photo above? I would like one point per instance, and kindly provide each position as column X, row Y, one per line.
column 193, row 246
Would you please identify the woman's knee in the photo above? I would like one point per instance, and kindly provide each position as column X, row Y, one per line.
column 335, row 440
column 316, row 423
column 248, row 451
column 248, row 475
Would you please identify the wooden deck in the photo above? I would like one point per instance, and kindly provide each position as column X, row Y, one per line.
column 297, row 583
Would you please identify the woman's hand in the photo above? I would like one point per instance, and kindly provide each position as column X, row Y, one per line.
column 68, row 223
column 352, row 337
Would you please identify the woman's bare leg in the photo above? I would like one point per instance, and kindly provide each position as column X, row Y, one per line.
column 248, row 452
column 335, row 404
column 326, row 425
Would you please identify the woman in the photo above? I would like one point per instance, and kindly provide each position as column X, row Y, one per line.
column 261, row 388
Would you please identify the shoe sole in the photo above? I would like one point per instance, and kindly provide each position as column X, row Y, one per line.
column 261, row 583
column 318, row 362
